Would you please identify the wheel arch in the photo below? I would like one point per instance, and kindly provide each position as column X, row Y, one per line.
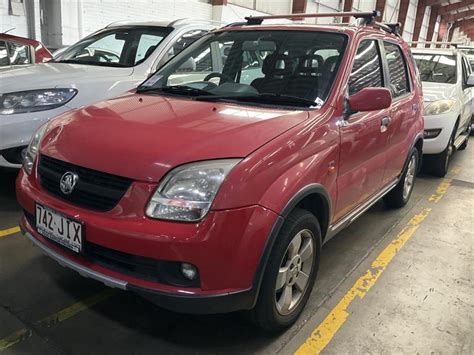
column 313, row 198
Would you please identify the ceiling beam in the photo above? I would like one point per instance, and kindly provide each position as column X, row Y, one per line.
column 420, row 14
column 453, row 7
column 436, row 2
column 459, row 16
column 402, row 13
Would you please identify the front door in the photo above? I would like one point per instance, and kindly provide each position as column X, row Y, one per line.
column 363, row 138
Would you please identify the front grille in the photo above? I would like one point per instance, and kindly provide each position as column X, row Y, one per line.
column 94, row 190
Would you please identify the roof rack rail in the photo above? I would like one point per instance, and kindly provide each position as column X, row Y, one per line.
column 393, row 28
column 453, row 44
column 368, row 17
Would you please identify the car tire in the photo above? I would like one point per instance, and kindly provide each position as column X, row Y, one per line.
column 400, row 194
column 289, row 276
column 440, row 162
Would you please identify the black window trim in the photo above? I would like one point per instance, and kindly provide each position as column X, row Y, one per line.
column 387, row 71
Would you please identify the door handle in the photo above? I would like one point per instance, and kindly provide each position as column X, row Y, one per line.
column 384, row 123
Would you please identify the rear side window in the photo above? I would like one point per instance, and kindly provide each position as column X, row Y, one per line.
column 397, row 70
column 19, row 53
column 367, row 68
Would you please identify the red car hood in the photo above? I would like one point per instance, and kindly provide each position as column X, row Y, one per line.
column 144, row 136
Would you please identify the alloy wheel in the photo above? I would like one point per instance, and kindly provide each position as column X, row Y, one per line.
column 409, row 177
column 294, row 273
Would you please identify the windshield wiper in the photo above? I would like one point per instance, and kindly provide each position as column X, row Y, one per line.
column 87, row 62
column 176, row 89
column 264, row 98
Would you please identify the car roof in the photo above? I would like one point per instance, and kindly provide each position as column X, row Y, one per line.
column 175, row 24
column 9, row 37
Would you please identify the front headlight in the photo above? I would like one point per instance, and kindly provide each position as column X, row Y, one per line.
column 439, row 107
column 34, row 100
column 187, row 192
column 33, row 148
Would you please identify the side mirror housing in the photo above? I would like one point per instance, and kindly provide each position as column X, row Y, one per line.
column 470, row 80
column 370, row 99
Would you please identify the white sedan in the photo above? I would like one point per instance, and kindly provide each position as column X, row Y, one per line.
column 103, row 65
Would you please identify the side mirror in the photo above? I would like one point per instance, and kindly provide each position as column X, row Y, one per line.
column 470, row 80
column 370, row 99
column 188, row 65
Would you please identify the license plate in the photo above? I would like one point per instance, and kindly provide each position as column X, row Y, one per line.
column 59, row 228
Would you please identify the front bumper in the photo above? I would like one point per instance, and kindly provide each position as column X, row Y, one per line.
column 446, row 123
column 16, row 130
column 226, row 247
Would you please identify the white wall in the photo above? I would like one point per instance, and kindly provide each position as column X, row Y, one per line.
column 364, row 5
column 275, row 7
column 410, row 18
column 424, row 26
column 8, row 21
column 82, row 17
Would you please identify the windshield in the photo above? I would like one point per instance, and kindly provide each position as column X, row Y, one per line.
column 436, row 68
column 290, row 68
column 118, row 46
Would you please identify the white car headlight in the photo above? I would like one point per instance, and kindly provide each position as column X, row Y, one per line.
column 439, row 107
column 33, row 148
column 34, row 100
column 187, row 192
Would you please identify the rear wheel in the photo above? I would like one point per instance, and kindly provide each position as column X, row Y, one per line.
column 400, row 195
column 290, row 273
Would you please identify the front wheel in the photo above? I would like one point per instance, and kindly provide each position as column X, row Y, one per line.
column 401, row 193
column 290, row 273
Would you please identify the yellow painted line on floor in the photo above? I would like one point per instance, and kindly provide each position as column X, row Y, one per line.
column 327, row 329
column 440, row 190
column 9, row 231
column 56, row 318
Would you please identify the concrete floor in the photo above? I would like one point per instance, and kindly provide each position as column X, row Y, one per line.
column 423, row 302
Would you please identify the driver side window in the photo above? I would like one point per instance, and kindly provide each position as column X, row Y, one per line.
column 367, row 69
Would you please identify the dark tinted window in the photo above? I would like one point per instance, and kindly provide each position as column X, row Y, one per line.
column 436, row 68
column 466, row 70
column 397, row 69
column 4, row 61
column 367, row 69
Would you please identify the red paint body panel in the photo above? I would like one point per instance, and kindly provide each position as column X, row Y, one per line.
column 41, row 53
column 145, row 130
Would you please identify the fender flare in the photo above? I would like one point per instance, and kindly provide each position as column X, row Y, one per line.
column 290, row 205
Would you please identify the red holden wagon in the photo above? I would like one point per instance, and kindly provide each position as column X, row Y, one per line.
column 212, row 187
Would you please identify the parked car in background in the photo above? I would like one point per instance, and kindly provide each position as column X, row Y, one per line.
column 17, row 51
column 107, row 63
column 447, row 89
column 469, row 50
column 212, row 187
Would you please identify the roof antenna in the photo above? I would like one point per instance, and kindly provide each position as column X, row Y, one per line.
column 11, row 29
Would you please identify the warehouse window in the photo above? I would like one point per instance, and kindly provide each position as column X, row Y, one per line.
column 367, row 68
column 397, row 70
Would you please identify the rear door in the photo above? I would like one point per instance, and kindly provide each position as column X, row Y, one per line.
column 363, row 141
column 404, row 110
